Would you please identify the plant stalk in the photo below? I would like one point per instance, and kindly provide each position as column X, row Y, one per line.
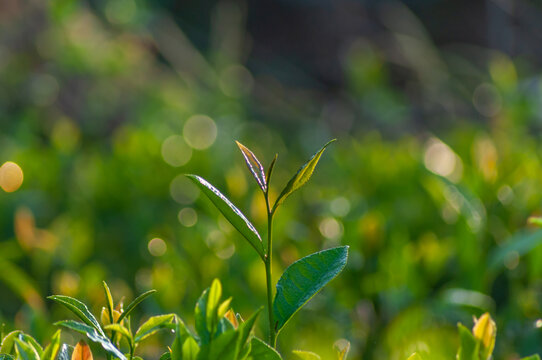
column 268, row 273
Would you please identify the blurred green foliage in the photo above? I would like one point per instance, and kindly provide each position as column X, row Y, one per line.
column 104, row 109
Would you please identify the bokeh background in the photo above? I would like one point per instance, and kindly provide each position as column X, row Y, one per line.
column 436, row 105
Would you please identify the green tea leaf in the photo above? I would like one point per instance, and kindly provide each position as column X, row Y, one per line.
column 231, row 213
column 166, row 356
column 306, row 355
column 25, row 351
column 181, row 335
column 9, row 341
column 79, row 309
column 303, row 279
column 134, row 303
column 468, row 346
column 301, row 177
column 190, row 349
column 152, row 325
column 120, row 329
column 200, row 314
column 52, row 349
column 64, row 353
column 93, row 335
column 109, row 299
column 32, row 342
column 261, row 351
column 254, row 166
column 211, row 312
column 270, row 170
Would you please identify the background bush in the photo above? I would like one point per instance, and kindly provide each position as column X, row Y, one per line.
column 104, row 105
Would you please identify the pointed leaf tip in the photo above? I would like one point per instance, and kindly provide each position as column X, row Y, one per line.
column 254, row 166
column 302, row 176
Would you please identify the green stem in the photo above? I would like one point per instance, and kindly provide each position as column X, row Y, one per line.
column 268, row 273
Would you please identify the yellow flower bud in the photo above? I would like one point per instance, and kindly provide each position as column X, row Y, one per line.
column 485, row 331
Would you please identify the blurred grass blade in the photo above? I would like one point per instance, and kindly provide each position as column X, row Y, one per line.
column 6, row 357
column 261, row 351
column 415, row 356
column 93, row 335
column 79, row 309
column 302, row 176
column 134, row 303
column 532, row 357
column 231, row 213
column 303, row 279
column 306, row 355
column 109, row 299
column 52, row 349
column 518, row 245
column 254, row 166
column 535, row 220
column 81, row 351
column 152, row 325
column 25, row 351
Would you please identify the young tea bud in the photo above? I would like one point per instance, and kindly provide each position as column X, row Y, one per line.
column 485, row 331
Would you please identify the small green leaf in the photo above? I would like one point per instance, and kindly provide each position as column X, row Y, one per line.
column 181, row 334
column 190, row 349
column 93, row 335
column 9, row 341
column 79, row 309
column 32, row 342
column 254, row 166
column 25, row 351
column 231, row 213
column 152, row 325
column 303, row 279
column 200, row 314
column 134, row 303
column 532, row 357
column 120, row 329
column 109, row 299
column 52, row 349
column 301, row 177
column 306, row 355
column 270, row 170
column 261, row 351
column 211, row 312
column 468, row 345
